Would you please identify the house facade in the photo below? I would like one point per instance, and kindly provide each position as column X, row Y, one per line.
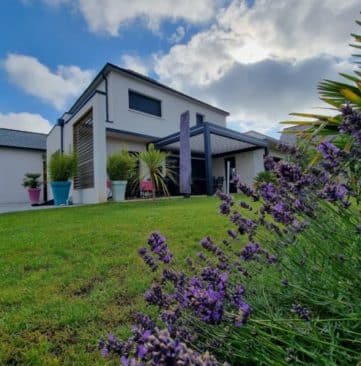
column 21, row 152
column 122, row 109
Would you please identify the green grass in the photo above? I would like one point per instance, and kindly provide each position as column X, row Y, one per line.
column 68, row 276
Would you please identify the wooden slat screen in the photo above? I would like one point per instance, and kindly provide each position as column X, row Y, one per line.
column 84, row 149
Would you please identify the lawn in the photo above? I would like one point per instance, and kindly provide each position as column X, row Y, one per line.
column 71, row 275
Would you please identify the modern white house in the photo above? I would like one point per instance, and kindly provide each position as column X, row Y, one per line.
column 122, row 109
column 20, row 153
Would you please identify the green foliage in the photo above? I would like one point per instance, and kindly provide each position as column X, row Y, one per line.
column 121, row 166
column 322, row 269
column 62, row 167
column 31, row 180
column 264, row 177
column 158, row 168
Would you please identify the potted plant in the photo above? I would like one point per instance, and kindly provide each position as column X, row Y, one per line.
column 120, row 168
column 62, row 167
column 157, row 169
column 31, row 182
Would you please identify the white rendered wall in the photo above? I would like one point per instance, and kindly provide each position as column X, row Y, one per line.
column 98, row 192
column 248, row 165
column 172, row 107
column 114, row 145
column 14, row 163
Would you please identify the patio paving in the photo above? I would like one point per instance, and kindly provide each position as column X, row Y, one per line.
column 15, row 207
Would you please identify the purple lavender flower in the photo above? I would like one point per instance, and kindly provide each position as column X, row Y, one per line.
column 245, row 205
column 250, row 250
column 301, row 311
column 232, row 234
column 148, row 259
column 244, row 312
column 269, row 192
column 336, row 192
column 269, row 162
column 159, row 247
column 288, row 172
column 287, row 149
column 208, row 244
column 351, row 123
column 281, row 213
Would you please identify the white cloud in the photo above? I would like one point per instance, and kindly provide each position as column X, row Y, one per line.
column 54, row 87
column 178, row 35
column 262, row 62
column 108, row 16
column 25, row 122
column 134, row 63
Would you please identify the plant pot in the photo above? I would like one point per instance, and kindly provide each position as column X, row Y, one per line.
column 34, row 195
column 60, row 192
column 118, row 190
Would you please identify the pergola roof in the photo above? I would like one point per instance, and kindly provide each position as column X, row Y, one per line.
column 222, row 140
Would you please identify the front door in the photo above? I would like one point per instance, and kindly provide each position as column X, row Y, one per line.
column 232, row 161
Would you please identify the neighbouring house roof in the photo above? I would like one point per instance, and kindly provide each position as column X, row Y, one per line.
column 289, row 134
column 134, row 75
column 271, row 141
column 22, row 139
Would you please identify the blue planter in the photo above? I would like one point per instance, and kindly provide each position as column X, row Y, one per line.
column 118, row 190
column 60, row 192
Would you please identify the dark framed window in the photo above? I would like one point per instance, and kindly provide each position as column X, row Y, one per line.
column 199, row 119
column 145, row 104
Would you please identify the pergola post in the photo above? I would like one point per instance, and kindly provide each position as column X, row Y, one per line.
column 208, row 159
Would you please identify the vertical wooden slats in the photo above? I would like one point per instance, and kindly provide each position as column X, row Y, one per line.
column 84, row 149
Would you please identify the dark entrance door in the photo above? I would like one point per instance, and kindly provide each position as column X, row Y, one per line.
column 232, row 160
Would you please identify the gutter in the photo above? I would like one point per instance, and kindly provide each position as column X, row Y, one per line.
column 106, row 98
column 61, row 124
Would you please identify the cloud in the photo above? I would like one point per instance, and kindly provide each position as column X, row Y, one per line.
column 25, row 122
column 54, row 87
column 134, row 63
column 264, row 61
column 178, row 35
column 109, row 16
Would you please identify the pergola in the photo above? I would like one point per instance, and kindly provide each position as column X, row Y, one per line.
column 210, row 141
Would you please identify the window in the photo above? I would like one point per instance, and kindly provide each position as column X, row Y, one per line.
column 199, row 119
column 142, row 103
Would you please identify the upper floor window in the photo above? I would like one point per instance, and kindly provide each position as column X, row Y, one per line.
column 145, row 104
column 199, row 119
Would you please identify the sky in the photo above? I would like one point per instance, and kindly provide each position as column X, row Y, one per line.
column 257, row 59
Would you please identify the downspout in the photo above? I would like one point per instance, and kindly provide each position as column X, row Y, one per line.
column 61, row 124
column 106, row 98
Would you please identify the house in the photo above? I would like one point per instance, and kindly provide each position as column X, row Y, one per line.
column 272, row 144
column 20, row 153
column 124, row 109
column 290, row 135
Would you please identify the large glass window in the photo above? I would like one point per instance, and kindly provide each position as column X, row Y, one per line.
column 145, row 104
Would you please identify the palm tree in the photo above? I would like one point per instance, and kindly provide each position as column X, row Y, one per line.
column 157, row 169
column 336, row 94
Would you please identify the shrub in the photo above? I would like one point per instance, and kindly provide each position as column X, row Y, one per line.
column 31, row 180
column 264, row 177
column 62, row 167
column 284, row 286
column 121, row 166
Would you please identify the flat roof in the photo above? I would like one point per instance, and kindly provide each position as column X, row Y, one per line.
column 22, row 139
column 135, row 75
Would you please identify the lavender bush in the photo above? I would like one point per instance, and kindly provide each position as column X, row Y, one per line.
column 283, row 287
